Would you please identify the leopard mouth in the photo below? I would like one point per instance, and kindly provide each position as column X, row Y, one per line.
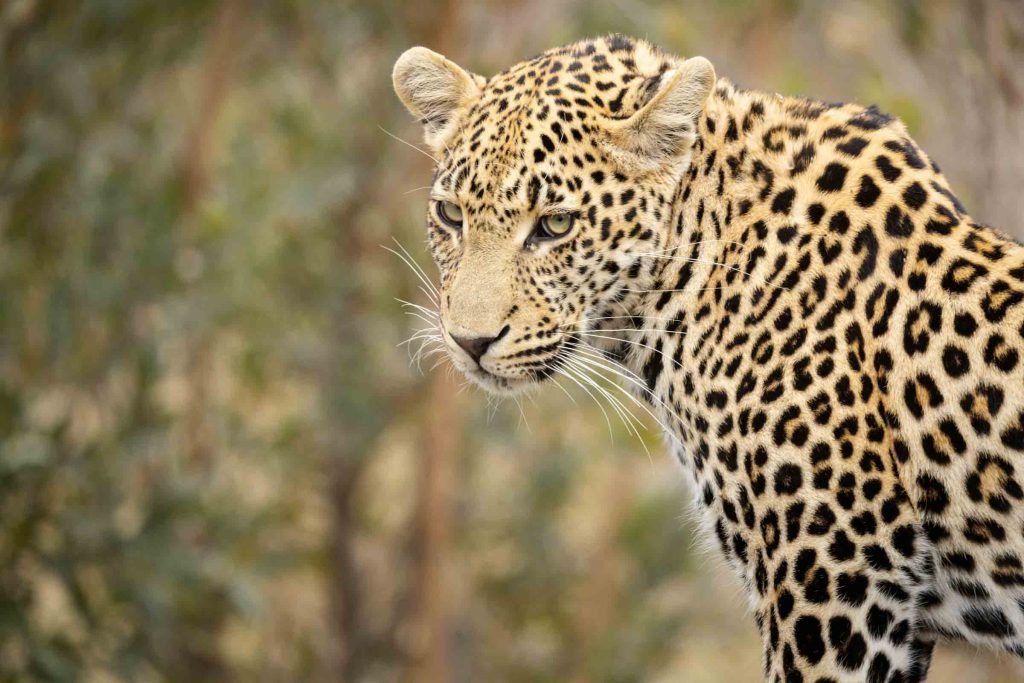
column 498, row 384
column 558, row 358
column 533, row 372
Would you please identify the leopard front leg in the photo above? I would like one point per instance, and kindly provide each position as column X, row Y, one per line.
column 834, row 574
column 834, row 641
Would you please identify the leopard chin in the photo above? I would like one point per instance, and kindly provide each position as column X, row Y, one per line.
column 498, row 385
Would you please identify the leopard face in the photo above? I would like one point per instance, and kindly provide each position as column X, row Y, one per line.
column 553, row 183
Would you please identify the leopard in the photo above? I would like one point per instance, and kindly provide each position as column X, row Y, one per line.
column 833, row 347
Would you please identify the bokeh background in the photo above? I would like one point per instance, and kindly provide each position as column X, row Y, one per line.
column 216, row 460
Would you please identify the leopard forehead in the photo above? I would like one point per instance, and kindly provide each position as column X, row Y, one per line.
column 546, row 115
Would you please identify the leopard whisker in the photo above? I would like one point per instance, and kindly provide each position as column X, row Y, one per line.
column 562, row 370
column 493, row 403
column 604, row 362
column 615, row 405
column 714, row 240
column 440, row 361
column 581, row 364
column 431, row 291
column 700, row 289
column 691, row 259
column 628, row 418
column 414, row 263
column 421, row 317
column 627, row 415
column 645, row 330
column 624, row 317
column 634, row 379
column 423, row 309
column 425, row 351
column 416, row 268
column 406, row 142
column 564, row 390
column 423, row 336
column 425, row 291
column 627, row 341
column 522, row 414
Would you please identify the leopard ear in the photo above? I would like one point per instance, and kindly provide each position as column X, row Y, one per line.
column 436, row 91
column 664, row 129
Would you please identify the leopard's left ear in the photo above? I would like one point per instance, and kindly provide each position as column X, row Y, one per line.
column 665, row 127
column 435, row 90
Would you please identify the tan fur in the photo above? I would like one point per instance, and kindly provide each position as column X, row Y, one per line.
column 833, row 347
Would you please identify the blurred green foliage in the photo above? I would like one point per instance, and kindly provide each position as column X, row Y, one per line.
column 214, row 455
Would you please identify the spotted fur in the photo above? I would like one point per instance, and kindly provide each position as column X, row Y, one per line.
column 834, row 347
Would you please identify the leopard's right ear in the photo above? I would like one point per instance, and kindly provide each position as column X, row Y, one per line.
column 435, row 90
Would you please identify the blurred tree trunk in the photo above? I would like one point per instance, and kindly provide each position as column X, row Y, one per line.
column 599, row 594
column 995, row 95
column 442, row 431
column 432, row 663
column 353, row 406
column 973, row 67
column 218, row 68
column 428, row 610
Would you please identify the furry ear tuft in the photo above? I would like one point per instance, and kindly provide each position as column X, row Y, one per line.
column 665, row 127
column 435, row 90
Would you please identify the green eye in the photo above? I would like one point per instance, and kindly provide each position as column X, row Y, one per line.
column 450, row 213
column 554, row 226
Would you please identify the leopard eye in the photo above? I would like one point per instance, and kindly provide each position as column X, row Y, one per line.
column 450, row 213
column 553, row 226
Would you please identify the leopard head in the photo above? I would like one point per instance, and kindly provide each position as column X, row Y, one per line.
column 554, row 182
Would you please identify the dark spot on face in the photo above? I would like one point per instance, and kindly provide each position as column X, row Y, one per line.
column 783, row 201
column 955, row 361
column 788, row 479
column 833, row 177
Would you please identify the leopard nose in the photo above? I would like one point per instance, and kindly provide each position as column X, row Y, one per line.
column 476, row 347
